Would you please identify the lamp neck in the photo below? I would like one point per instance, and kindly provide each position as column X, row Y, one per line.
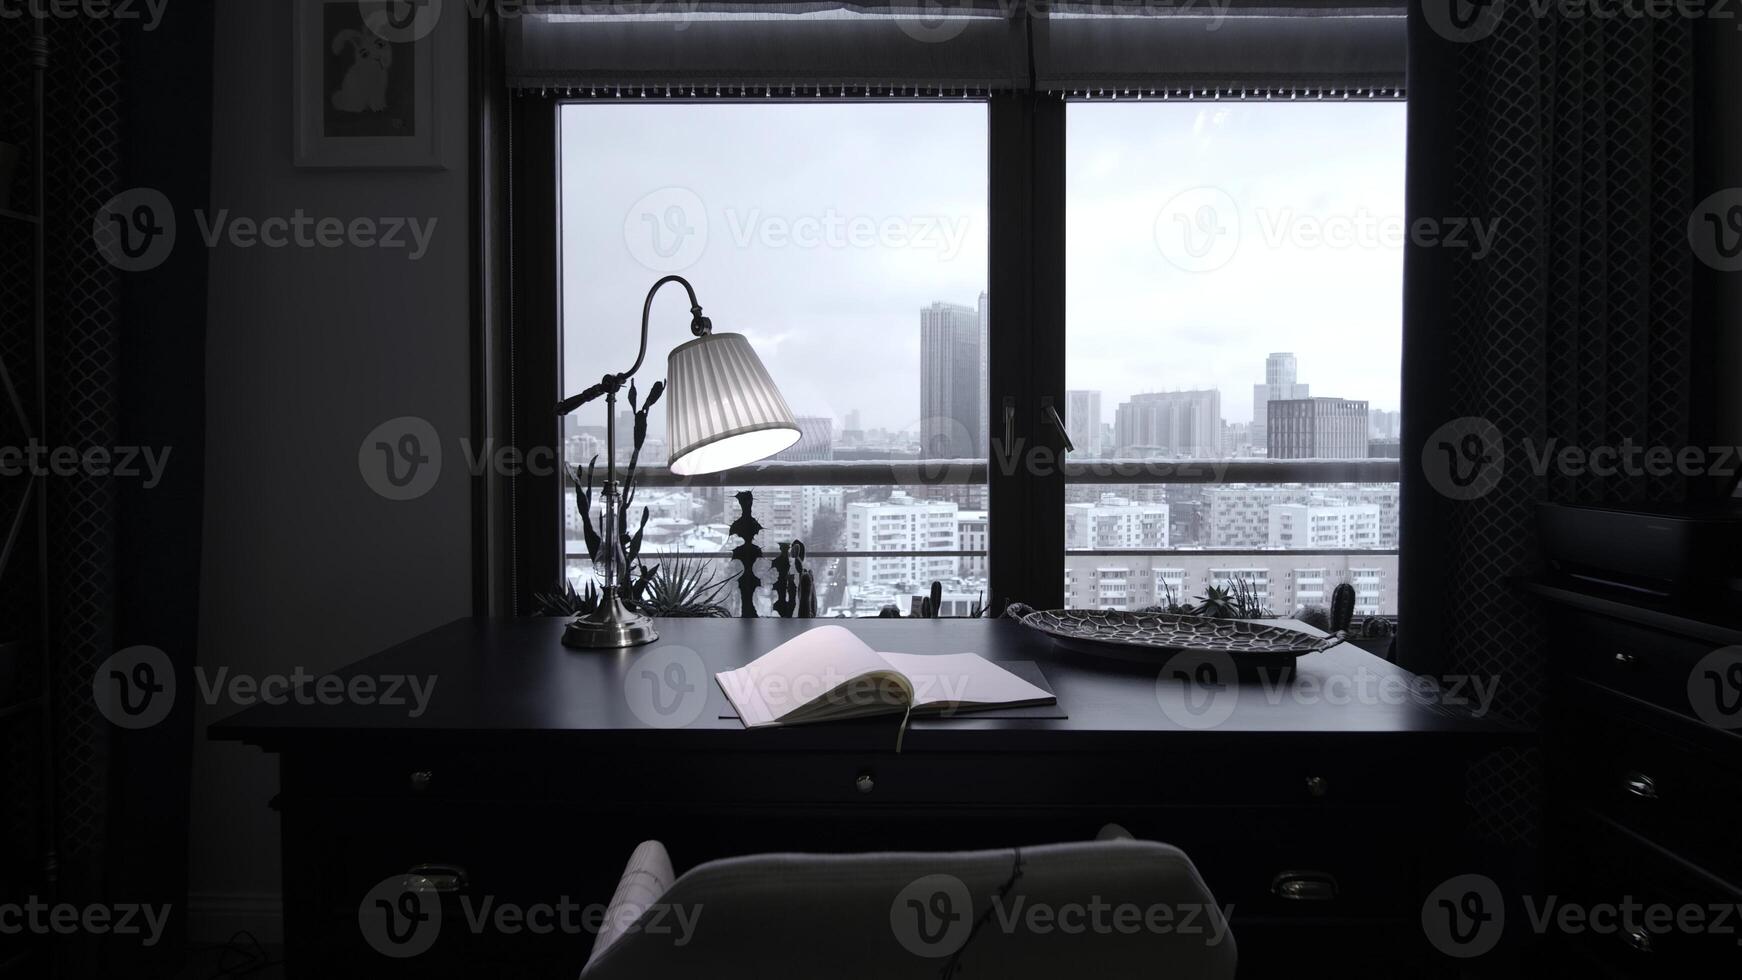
column 700, row 325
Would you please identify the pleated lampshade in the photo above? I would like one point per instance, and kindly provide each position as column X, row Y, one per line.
column 724, row 409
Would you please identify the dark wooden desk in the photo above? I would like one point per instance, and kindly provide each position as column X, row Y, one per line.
column 537, row 768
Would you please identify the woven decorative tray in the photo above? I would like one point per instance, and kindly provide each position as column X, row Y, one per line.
column 1156, row 636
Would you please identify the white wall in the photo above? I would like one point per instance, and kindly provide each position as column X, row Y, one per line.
column 308, row 350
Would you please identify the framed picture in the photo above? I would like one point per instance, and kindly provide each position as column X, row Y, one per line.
column 364, row 87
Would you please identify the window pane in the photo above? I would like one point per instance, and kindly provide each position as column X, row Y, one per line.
column 848, row 243
column 1234, row 283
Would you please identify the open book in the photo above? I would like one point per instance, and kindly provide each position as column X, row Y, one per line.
column 827, row 674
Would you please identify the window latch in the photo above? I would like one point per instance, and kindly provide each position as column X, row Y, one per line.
column 1052, row 415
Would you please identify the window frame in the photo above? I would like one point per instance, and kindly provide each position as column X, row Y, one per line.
column 518, row 517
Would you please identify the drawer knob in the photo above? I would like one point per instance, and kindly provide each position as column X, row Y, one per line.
column 420, row 780
column 1625, row 659
column 1318, row 786
column 1641, row 785
column 1637, row 940
column 1304, row 886
column 865, row 783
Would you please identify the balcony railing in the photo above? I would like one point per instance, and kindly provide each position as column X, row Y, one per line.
column 970, row 472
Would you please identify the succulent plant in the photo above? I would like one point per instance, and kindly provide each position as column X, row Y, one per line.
column 1376, row 627
column 1317, row 617
column 682, row 586
column 566, row 602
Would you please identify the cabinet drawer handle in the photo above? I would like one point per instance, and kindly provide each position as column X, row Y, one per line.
column 1637, row 940
column 1641, row 785
column 1625, row 659
column 420, row 780
column 1304, row 886
column 444, row 878
column 865, row 783
column 1318, row 787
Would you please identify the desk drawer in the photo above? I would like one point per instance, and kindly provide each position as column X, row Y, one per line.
column 1641, row 663
column 1649, row 781
column 430, row 775
column 1632, row 904
column 1199, row 778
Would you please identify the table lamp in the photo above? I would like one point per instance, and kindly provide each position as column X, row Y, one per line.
column 723, row 411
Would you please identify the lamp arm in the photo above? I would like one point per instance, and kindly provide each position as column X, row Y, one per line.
column 700, row 325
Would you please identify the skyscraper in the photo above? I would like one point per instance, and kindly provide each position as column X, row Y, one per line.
column 952, row 396
column 1279, row 383
column 1170, row 423
column 1317, row 428
column 1083, row 422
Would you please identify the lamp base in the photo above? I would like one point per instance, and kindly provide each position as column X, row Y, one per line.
column 612, row 626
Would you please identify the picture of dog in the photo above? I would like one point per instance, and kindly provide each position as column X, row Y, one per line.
column 364, row 88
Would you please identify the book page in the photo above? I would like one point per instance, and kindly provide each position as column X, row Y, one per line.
column 805, row 669
column 963, row 679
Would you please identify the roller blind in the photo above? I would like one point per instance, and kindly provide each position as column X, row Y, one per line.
column 724, row 47
column 895, row 47
column 1196, row 48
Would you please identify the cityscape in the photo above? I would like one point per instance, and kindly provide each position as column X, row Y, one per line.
column 901, row 539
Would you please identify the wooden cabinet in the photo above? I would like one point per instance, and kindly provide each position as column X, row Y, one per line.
column 1644, row 789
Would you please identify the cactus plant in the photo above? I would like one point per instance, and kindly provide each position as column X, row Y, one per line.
column 1315, row 616
column 1342, row 607
column 1377, row 627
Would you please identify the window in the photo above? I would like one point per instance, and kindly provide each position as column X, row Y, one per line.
column 1234, row 292
column 849, row 243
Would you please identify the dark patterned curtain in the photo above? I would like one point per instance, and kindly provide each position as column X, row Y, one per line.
column 1572, row 138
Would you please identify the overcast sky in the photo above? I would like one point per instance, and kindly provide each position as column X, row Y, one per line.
column 821, row 230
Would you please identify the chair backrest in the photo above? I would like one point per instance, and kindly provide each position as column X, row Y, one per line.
column 1104, row 909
